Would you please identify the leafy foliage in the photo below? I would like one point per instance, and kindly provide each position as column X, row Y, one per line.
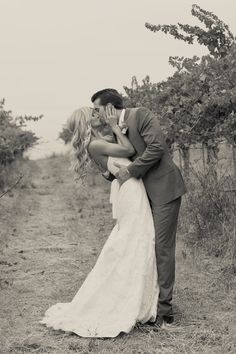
column 216, row 37
column 209, row 214
column 198, row 103
column 65, row 135
column 14, row 139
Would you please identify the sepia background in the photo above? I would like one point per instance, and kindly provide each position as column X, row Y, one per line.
column 54, row 56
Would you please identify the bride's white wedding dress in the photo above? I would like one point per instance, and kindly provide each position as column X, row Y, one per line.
column 121, row 289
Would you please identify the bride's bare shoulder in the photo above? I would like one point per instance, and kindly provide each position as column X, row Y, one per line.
column 96, row 146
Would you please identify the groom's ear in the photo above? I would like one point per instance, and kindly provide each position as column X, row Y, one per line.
column 97, row 102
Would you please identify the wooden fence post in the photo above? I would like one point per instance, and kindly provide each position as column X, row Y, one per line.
column 234, row 162
column 180, row 160
column 204, row 159
column 186, row 161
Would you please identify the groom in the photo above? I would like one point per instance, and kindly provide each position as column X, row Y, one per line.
column 163, row 182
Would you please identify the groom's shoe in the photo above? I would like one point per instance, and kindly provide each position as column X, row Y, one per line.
column 169, row 319
column 157, row 323
column 162, row 321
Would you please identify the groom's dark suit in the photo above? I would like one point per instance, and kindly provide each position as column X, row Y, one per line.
column 164, row 185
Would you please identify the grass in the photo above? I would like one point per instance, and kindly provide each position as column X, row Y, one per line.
column 52, row 233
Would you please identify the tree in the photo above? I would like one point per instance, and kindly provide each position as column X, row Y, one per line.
column 14, row 138
column 210, row 116
column 216, row 37
column 195, row 105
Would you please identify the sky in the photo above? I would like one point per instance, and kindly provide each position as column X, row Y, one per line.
column 56, row 53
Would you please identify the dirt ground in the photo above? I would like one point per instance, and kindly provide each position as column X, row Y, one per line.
column 51, row 235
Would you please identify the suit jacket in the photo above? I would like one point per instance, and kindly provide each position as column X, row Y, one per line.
column 152, row 162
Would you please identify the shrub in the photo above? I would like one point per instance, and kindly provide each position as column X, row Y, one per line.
column 208, row 214
column 14, row 140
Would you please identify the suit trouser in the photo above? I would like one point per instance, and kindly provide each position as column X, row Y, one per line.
column 165, row 221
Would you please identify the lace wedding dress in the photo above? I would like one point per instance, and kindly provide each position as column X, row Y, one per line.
column 121, row 290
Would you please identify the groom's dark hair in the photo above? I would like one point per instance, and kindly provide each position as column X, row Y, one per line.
column 109, row 95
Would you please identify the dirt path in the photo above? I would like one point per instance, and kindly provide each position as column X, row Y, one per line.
column 51, row 235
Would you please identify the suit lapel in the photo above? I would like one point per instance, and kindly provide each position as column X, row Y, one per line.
column 132, row 132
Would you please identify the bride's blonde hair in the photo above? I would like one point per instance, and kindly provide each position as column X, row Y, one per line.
column 79, row 125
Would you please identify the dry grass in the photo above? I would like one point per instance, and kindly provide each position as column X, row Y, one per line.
column 51, row 235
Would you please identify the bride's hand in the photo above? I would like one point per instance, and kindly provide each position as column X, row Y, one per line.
column 111, row 117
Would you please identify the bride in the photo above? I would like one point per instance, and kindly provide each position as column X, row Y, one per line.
column 121, row 290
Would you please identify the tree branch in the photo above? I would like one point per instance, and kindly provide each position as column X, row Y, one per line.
column 13, row 186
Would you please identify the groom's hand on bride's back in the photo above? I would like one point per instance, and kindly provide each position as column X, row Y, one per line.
column 123, row 174
column 108, row 176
